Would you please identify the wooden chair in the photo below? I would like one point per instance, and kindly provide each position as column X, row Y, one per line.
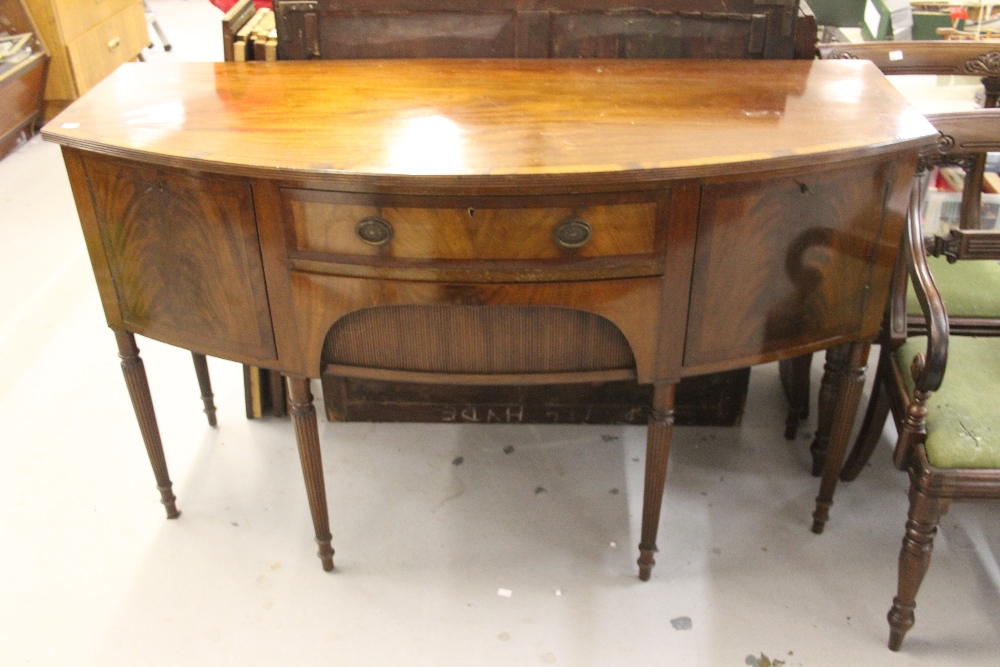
column 949, row 425
column 905, row 58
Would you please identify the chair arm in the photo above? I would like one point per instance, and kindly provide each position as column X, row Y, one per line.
column 927, row 369
column 966, row 132
column 965, row 244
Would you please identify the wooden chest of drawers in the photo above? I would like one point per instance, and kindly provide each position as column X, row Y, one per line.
column 88, row 39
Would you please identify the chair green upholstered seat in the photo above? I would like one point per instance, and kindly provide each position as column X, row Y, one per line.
column 970, row 288
column 963, row 421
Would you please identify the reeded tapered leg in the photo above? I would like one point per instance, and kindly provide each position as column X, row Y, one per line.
column 205, row 383
column 850, row 382
column 832, row 370
column 871, row 428
column 795, row 383
column 142, row 403
column 914, row 559
column 661, row 426
column 307, row 437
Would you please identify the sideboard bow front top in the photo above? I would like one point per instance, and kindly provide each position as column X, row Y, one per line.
column 491, row 222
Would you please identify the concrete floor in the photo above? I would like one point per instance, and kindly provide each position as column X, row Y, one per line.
column 94, row 575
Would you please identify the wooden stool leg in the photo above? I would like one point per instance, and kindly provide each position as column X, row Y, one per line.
column 307, row 437
column 661, row 426
column 832, row 370
column 142, row 403
column 849, row 384
column 871, row 427
column 205, row 383
column 914, row 559
column 794, row 375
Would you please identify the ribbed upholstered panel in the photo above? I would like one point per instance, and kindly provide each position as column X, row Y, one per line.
column 477, row 339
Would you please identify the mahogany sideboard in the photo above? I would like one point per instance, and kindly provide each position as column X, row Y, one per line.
column 349, row 29
column 494, row 221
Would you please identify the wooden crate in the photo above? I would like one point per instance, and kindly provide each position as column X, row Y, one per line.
column 709, row 400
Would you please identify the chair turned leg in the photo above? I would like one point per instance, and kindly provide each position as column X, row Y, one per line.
column 832, row 370
column 794, row 375
column 205, row 383
column 307, row 437
column 661, row 426
column 871, row 427
column 914, row 559
column 142, row 403
column 848, row 385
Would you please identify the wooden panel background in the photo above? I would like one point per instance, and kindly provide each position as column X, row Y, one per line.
column 333, row 29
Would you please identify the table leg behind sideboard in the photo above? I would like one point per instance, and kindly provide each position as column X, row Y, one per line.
column 142, row 403
column 661, row 427
column 848, row 382
column 205, row 383
column 307, row 437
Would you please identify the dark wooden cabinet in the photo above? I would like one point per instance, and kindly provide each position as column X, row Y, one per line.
column 329, row 29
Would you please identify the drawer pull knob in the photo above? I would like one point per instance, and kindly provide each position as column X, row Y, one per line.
column 374, row 231
column 572, row 233
column 114, row 43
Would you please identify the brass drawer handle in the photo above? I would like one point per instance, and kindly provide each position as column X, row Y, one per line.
column 572, row 233
column 114, row 43
column 374, row 231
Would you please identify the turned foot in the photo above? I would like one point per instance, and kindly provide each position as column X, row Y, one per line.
column 138, row 390
column 847, row 385
column 661, row 424
column 914, row 559
column 646, row 562
column 307, row 437
column 205, row 383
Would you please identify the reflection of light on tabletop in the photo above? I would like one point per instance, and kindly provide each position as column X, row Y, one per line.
column 844, row 90
column 150, row 124
column 427, row 145
column 169, row 115
column 911, row 122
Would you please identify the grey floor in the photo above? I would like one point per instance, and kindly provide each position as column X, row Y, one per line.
column 92, row 573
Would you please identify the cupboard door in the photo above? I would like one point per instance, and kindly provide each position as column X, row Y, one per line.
column 184, row 258
column 789, row 262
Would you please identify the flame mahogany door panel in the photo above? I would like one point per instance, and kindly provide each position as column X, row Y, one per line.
column 792, row 262
column 184, row 257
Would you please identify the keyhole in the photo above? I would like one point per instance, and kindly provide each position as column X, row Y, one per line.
column 472, row 212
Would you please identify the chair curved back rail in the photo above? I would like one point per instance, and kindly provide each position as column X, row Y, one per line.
column 923, row 57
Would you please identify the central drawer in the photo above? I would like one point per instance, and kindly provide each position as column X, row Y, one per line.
column 346, row 227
